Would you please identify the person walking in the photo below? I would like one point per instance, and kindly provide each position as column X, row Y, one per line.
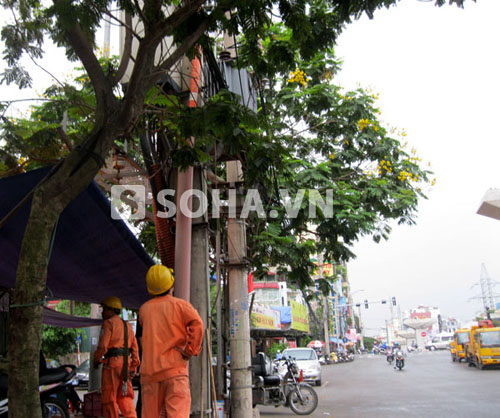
column 116, row 343
column 172, row 332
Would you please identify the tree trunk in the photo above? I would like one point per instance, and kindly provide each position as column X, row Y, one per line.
column 25, row 331
column 51, row 197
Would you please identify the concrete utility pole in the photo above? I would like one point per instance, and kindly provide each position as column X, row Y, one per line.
column 326, row 322
column 326, row 325
column 336, row 299
column 361, row 328
column 199, row 367
column 239, row 321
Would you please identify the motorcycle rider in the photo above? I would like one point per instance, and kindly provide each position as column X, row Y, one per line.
column 390, row 354
column 396, row 348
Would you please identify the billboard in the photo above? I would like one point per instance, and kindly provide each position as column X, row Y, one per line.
column 300, row 317
column 264, row 317
column 327, row 270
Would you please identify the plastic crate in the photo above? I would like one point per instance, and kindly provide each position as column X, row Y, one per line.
column 92, row 405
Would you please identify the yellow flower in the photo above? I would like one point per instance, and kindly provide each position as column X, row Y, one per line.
column 298, row 76
column 363, row 123
column 331, row 156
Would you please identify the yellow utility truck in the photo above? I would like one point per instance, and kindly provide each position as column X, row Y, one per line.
column 458, row 344
column 483, row 348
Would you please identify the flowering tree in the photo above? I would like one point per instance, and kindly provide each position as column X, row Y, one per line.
column 72, row 25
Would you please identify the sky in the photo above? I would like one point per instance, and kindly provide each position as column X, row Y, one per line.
column 436, row 71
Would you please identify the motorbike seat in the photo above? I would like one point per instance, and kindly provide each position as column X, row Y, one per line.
column 59, row 374
column 272, row 380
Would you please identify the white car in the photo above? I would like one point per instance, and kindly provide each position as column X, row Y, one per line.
column 307, row 361
column 439, row 342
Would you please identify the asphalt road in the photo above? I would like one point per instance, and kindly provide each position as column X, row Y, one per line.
column 430, row 386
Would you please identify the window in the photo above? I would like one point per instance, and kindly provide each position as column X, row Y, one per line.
column 300, row 354
column 490, row 339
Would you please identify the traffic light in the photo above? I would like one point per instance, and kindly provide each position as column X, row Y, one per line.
column 394, row 301
column 366, row 304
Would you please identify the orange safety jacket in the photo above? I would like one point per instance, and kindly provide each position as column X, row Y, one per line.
column 170, row 325
column 112, row 336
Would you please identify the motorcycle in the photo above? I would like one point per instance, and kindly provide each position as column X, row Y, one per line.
column 390, row 357
column 54, row 382
column 400, row 360
column 269, row 388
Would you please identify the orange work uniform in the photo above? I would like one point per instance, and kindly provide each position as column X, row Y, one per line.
column 112, row 336
column 172, row 333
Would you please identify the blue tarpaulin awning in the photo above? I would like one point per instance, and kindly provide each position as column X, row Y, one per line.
column 286, row 313
column 94, row 256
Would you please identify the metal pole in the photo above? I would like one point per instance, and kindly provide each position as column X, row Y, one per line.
column 361, row 328
column 220, row 345
column 94, row 374
column 239, row 321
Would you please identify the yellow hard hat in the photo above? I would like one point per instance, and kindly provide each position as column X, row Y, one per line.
column 159, row 279
column 112, row 302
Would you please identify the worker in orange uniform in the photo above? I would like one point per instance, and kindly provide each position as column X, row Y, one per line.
column 116, row 388
column 172, row 332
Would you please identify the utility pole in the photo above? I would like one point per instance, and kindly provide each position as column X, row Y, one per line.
column 326, row 322
column 361, row 327
column 199, row 367
column 239, row 321
column 337, row 319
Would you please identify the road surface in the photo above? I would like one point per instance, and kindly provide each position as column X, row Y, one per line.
column 429, row 386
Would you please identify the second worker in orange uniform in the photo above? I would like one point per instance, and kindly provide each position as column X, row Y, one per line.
column 172, row 332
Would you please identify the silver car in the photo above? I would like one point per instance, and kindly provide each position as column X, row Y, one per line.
column 307, row 361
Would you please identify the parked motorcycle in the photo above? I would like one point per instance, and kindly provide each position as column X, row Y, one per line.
column 400, row 360
column 53, row 382
column 269, row 388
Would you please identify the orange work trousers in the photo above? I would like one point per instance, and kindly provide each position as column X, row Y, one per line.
column 171, row 395
column 112, row 394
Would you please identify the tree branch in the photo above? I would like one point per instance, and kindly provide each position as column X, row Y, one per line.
column 65, row 138
column 177, row 18
column 83, row 49
column 127, row 51
column 180, row 51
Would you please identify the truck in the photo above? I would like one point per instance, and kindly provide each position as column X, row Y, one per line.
column 458, row 344
column 483, row 348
